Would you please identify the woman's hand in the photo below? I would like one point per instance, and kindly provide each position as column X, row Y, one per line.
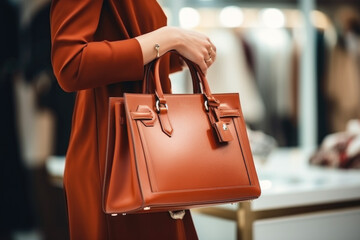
column 195, row 46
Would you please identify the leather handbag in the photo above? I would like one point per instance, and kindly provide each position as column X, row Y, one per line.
column 169, row 152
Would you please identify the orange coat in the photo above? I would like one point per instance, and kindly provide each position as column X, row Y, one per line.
column 94, row 53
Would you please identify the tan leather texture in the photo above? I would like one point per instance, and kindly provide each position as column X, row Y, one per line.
column 177, row 151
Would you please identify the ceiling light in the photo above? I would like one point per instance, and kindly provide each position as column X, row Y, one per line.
column 272, row 18
column 231, row 16
column 189, row 17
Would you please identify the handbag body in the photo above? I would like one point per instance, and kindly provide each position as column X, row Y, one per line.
column 168, row 152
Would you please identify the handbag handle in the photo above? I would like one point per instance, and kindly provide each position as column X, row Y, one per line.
column 198, row 79
column 210, row 103
column 149, row 69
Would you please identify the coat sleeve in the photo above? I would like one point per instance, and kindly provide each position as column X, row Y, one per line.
column 78, row 61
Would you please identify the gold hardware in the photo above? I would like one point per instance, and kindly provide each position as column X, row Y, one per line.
column 208, row 60
column 114, row 214
column 147, row 208
column 157, row 48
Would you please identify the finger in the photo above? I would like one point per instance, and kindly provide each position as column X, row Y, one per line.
column 207, row 57
column 210, row 60
column 204, row 66
column 212, row 52
column 212, row 46
column 213, row 56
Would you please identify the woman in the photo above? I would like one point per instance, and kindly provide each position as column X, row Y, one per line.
column 99, row 49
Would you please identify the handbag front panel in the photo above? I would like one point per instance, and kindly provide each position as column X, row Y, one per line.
column 191, row 165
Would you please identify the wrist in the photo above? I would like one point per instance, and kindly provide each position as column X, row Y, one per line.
column 172, row 38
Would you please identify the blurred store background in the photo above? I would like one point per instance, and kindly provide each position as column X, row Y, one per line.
column 296, row 65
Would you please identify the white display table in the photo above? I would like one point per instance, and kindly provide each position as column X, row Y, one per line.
column 291, row 187
column 287, row 180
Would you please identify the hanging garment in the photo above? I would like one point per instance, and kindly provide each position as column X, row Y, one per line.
column 273, row 50
column 232, row 70
column 342, row 89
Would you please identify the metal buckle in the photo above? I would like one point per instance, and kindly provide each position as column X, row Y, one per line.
column 157, row 105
